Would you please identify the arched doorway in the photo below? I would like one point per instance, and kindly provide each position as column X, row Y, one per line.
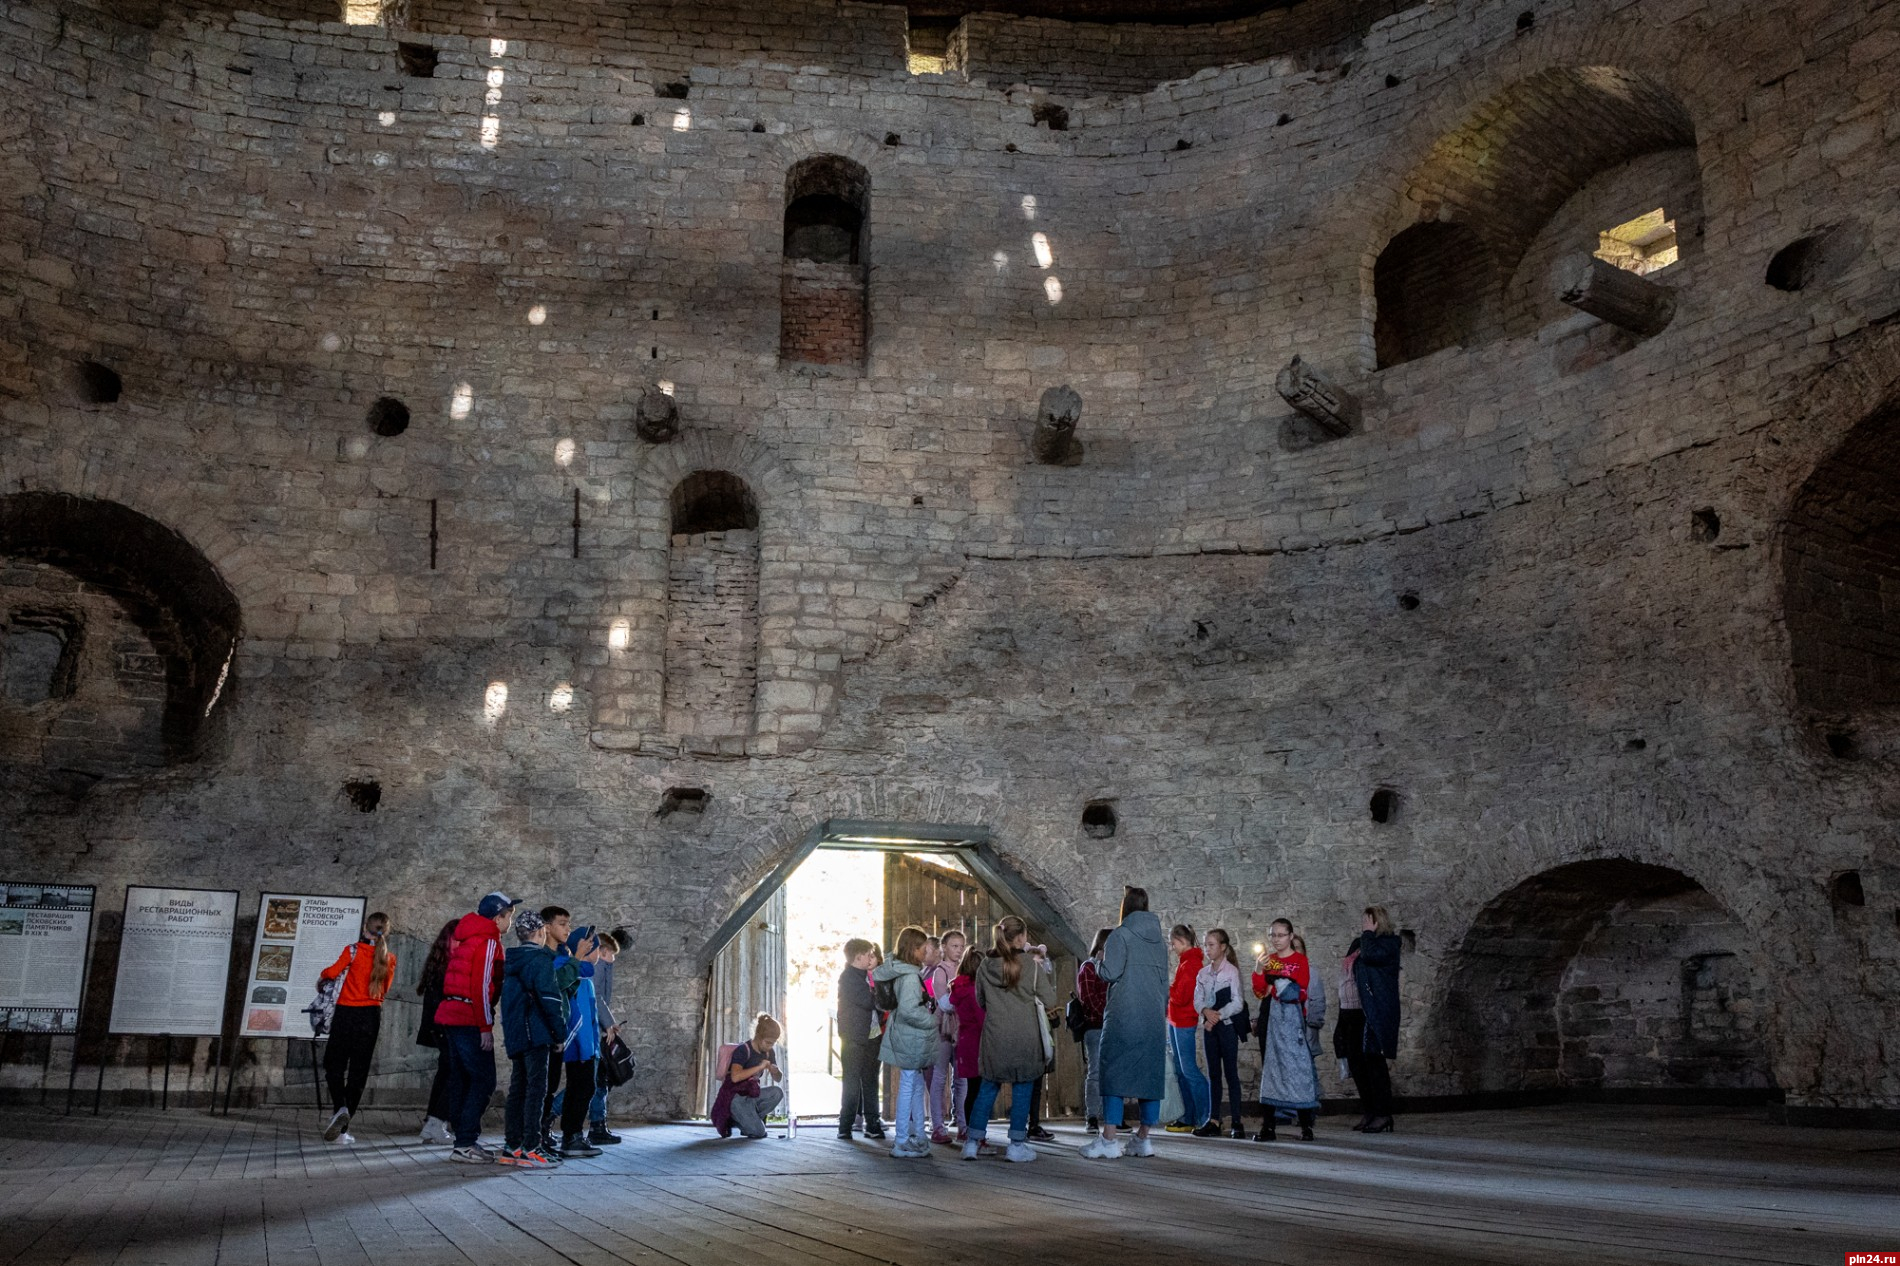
column 778, row 951
column 1611, row 977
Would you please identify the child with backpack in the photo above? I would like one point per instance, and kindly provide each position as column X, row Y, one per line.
column 533, row 1023
column 910, row 1037
column 742, row 1103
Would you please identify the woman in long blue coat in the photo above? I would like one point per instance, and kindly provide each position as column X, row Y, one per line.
column 1134, row 1027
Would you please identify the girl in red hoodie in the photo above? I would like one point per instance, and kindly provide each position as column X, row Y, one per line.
column 1184, row 1031
column 969, row 1035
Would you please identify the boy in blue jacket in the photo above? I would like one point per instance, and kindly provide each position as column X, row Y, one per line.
column 533, row 1024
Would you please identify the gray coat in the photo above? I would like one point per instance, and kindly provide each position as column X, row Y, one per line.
column 1011, row 1046
column 1135, row 1026
column 910, row 1039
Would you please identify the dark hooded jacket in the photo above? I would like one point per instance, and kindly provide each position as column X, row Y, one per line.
column 533, row 1012
column 1376, row 973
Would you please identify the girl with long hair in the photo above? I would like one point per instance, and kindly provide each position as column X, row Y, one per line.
column 969, row 1007
column 367, row 968
column 1091, row 994
column 1134, row 1028
column 435, row 1127
column 1288, row 1080
column 1218, row 998
column 910, row 1039
column 1372, row 965
column 1014, row 983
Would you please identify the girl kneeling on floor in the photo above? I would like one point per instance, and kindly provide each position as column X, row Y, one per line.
column 742, row 1102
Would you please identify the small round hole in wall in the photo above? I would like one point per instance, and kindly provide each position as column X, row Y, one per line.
column 1636, row 745
column 1705, row 525
column 1525, row 21
column 1841, row 745
column 96, row 383
column 1385, row 805
column 1844, row 889
column 1408, row 601
column 1098, row 819
column 364, row 794
column 388, row 417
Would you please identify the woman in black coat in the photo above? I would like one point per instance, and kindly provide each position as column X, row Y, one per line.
column 1373, row 962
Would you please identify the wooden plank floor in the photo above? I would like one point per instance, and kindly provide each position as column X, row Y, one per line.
column 1596, row 1185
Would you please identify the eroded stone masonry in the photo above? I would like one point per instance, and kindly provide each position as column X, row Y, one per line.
column 1562, row 614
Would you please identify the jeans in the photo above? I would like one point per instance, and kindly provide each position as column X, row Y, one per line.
column 1187, row 1072
column 596, row 1107
column 471, row 1080
column 527, row 1087
column 861, row 1072
column 1020, row 1094
column 1223, row 1061
column 749, row 1112
column 1114, row 1108
column 910, row 1116
column 346, row 1058
column 1092, row 1087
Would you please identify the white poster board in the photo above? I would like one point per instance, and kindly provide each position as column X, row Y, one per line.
column 174, row 958
column 297, row 937
column 44, row 932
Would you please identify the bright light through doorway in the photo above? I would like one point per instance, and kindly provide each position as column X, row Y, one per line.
column 834, row 896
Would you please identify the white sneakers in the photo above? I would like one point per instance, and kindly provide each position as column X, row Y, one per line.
column 1019, row 1152
column 339, row 1124
column 972, row 1147
column 1139, row 1146
column 911, row 1149
column 436, row 1130
column 1102, row 1149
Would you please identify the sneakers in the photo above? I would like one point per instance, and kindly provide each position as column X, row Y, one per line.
column 911, row 1149
column 1180, row 1127
column 1139, row 1146
column 963, row 1136
column 941, row 1137
column 876, row 1135
column 600, row 1136
column 436, row 1130
column 1102, row 1149
column 1208, row 1130
column 1040, row 1135
column 345, row 1139
column 338, row 1125
column 1021, row 1153
column 972, row 1148
column 574, row 1147
column 527, row 1158
column 546, row 1155
column 1095, row 1123
column 473, row 1154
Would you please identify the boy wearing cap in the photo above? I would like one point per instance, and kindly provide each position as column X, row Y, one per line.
column 533, row 1022
column 471, row 985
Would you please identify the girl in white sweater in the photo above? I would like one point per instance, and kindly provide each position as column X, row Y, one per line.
column 1218, row 998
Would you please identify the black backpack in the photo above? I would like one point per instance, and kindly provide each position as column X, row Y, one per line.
column 884, row 994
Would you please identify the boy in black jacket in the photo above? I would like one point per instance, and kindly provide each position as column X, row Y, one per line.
column 533, row 1023
column 858, row 1043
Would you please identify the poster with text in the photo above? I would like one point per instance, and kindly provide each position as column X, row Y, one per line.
column 44, row 932
column 174, row 958
column 298, row 935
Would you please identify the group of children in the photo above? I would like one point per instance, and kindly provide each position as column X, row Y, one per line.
column 550, row 993
column 959, row 1023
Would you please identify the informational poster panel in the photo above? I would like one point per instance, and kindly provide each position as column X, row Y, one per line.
column 174, row 957
column 44, row 932
column 297, row 937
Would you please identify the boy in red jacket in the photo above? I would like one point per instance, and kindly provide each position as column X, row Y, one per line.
column 1184, row 1030
column 471, row 986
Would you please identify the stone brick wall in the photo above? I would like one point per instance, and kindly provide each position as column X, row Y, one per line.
column 266, row 226
column 712, row 633
column 821, row 313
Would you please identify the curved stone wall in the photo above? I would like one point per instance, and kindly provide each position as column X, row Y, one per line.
column 266, row 226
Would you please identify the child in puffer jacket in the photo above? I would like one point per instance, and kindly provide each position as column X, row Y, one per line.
column 533, row 1023
column 910, row 1039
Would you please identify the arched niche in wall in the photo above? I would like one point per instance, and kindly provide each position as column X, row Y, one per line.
column 1574, row 160
column 823, row 301
column 1841, row 573
column 117, row 641
column 1609, row 974
column 712, row 607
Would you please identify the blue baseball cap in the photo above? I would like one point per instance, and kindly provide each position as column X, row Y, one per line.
column 494, row 903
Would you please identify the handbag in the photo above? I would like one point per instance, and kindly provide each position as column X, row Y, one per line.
column 1075, row 1018
column 322, row 1008
column 1048, row 1038
column 616, row 1062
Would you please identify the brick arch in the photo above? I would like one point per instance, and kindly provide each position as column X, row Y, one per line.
column 771, row 485
column 192, row 617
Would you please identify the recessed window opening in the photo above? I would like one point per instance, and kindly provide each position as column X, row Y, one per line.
column 96, row 383
column 678, row 90
column 928, row 44
column 388, row 417
column 1429, row 285
column 1817, row 258
column 824, row 227
column 364, row 794
column 691, row 800
column 713, row 501
column 1049, row 114
column 1841, row 745
column 1098, row 819
column 1706, row 525
column 39, row 657
column 1385, row 805
column 823, row 298
column 418, row 61
column 1644, row 245
column 1844, row 889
